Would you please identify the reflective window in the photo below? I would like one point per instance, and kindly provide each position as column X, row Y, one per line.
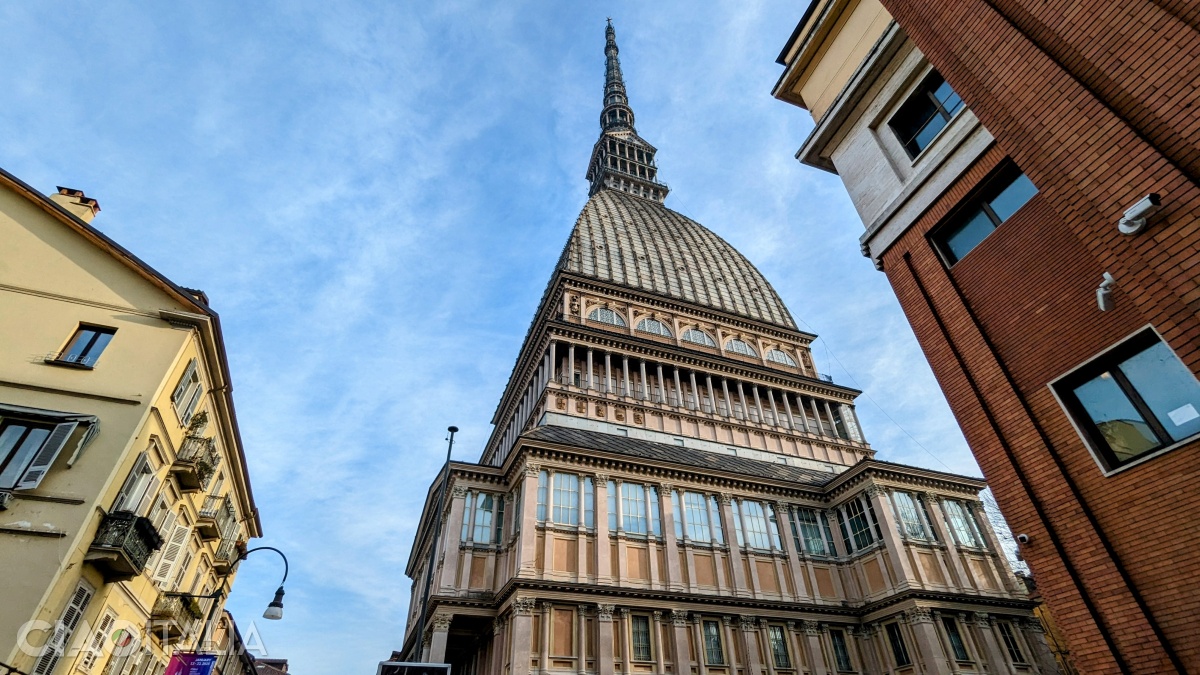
column 589, row 503
column 809, row 535
column 999, row 199
column 860, row 525
column 543, row 482
column 779, row 650
column 1010, row 642
column 698, row 337
column 566, row 499
column 654, row 326
column 640, row 632
column 696, row 515
column 956, row 641
column 899, row 649
column 1133, row 400
column 908, row 519
column 484, row 505
column 715, row 517
column 605, row 315
column 740, row 347
column 961, row 523
column 780, row 356
column 612, row 506
column 633, row 508
column 714, row 655
column 86, row 345
column 19, row 443
column 840, row 653
column 926, row 112
column 756, row 531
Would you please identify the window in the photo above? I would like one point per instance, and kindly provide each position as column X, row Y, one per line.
column 484, row 507
column 840, row 653
column 633, row 508
column 806, row 530
column 640, row 629
column 773, row 525
column 961, row 523
column 956, row 641
column 188, row 393
column 1133, row 400
column 589, row 503
column 899, row 649
column 780, row 356
column 714, row 655
column 606, row 315
column 1010, row 642
column 655, row 327
column 756, row 525
column 86, row 345
column 737, row 522
column 698, row 337
column 59, row 640
column 543, row 483
column 677, row 514
column 696, row 514
column 715, row 511
column 138, row 486
column 740, row 347
column 655, row 517
column 908, row 519
column 860, row 526
column 566, row 499
column 28, row 450
column 467, row 508
column 926, row 112
column 779, row 650
column 498, row 530
column 1000, row 197
column 612, row 506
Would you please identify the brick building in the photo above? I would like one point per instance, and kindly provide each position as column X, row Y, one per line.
column 992, row 149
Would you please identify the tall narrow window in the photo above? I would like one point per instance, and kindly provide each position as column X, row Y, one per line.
column 188, row 393
column 86, row 345
column 640, row 630
column 566, row 499
column 714, row 654
column 589, row 503
column 612, row 506
column 841, row 655
column 468, row 510
column 1133, row 400
column 677, row 514
column 58, row 642
column 655, row 516
column 899, row 649
column 697, row 516
column 633, row 508
column 810, row 533
column 542, row 495
column 999, row 198
column 756, row 525
column 484, row 507
column 960, row 525
column 737, row 523
column 498, row 530
column 137, row 484
column 779, row 650
column 860, row 526
column 773, row 525
column 908, row 519
column 1010, row 642
column 925, row 113
column 715, row 518
column 955, row 637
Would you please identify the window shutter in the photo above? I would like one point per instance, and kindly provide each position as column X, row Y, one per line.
column 195, row 401
column 170, row 553
column 182, row 387
column 132, row 482
column 143, row 506
column 53, row 651
column 181, row 569
column 45, row 457
column 99, row 640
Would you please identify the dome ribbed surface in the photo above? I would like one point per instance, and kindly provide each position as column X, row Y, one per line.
column 643, row 245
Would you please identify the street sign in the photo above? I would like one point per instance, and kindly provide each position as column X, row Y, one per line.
column 405, row 668
column 191, row 664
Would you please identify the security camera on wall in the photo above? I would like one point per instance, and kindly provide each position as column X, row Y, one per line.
column 1137, row 215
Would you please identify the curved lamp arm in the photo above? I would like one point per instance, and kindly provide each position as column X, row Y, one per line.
column 275, row 608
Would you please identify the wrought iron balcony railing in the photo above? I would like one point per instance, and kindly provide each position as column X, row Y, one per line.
column 227, row 555
column 173, row 616
column 215, row 518
column 122, row 545
column 196, row 463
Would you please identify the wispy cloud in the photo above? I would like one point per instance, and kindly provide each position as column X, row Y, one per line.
column 374, row 195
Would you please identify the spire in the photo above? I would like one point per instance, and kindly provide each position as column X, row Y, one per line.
column 621, row 160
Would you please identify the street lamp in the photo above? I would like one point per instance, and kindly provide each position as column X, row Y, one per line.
column 275, row 607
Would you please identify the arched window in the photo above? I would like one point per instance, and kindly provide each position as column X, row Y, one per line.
column 654, row 326
column 739, row 347
column 606, row 315
column 780, row 356
column 698, row 337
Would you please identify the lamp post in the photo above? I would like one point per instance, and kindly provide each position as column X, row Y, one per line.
column 274, row 610
column 437, row 532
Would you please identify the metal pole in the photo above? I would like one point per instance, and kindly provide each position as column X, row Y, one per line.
column 437, row 531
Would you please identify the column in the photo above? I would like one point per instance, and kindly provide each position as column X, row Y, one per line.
column 571, row 365
column 441, row 633
column 678, row 389
column 625, row 372
column 774, row 410
column 581, row 639
column 787, row 408
column 727, row 628
column 604, row 641
column 553, row 361
column 589, row 384
column 682, row 656
column 728, row 399
column 735, row 551
column 929, row 643
column 528, row 527
column 644, row 384
column 522, row 634
column 698, row 636
column 672, row 543
column 603, row 545
column 799, row 578
column 817, row 417
column 581, row 529
column 803, row 416
column 758, row 404
column 799, row 651
column 991, row 644
column 866, row 650
column 657, row 645
column 742, row 399
column 695, row 390
column 607, row 373
column 544, row 642
column 764, row 634
column 623, row 639
column 901, row 566
column 812, row 640
column 712, row 397
column 832, row 424
column 497, row 652
column 662, row 390
column 1035, row 638
column 448, row 579
column 748, row 632
column 653, row 542
column 934, row 502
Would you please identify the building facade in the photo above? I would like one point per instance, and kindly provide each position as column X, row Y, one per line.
column 672, row 487
column 1027, row 174
column 123, row 481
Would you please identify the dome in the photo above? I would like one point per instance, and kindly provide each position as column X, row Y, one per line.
column 643, row 245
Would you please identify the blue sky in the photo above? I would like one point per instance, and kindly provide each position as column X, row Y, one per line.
column 373, row 194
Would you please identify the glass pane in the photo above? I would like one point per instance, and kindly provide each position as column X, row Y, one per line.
column 1123, row 428
column 75, row 351
column 960, row 240
column 102, row 341
column 1168, row 388
column 20, row 455
column 912, row 118
column 1012, row 197
column 927, row 133
column 949, row 100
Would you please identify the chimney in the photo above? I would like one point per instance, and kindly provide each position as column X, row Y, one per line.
column 78, row 204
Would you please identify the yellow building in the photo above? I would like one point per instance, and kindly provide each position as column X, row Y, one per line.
column 122, row 473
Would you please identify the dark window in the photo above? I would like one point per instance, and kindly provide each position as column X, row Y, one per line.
column 19, row 443
column 1000, row 197
column 641, row 638
column 860, row 528
column 1133, row 400
column 714, row 655
column 926, row 112
column 840, row 653
column 1010, row 642
column 86, row 345
column 956, row 641
column 899, row 650
column 779, row 650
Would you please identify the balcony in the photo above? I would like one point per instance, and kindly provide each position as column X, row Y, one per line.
column 215, row 518
column 173, row 616
column 122, row 546
column 196, row 463
column 227, row 555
